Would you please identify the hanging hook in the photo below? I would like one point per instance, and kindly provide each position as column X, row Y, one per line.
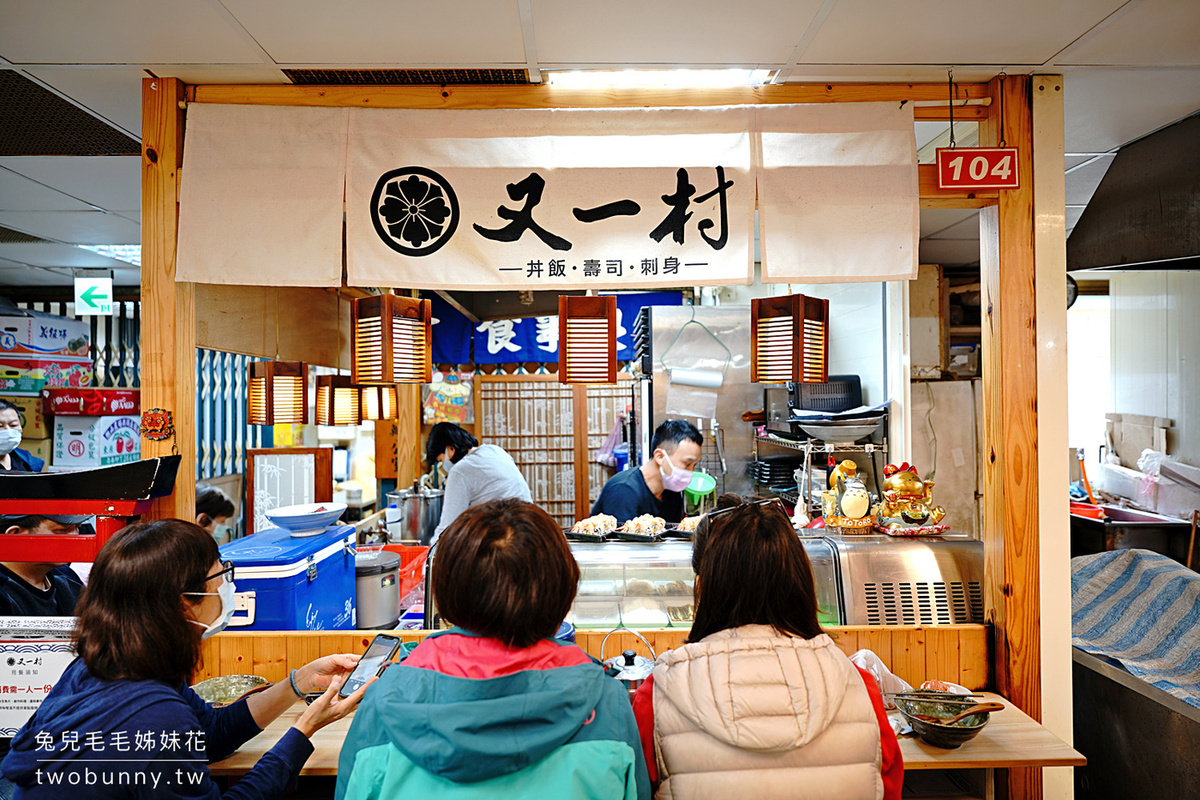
column 1002, row 76
column 693, row 321
column 950, row 100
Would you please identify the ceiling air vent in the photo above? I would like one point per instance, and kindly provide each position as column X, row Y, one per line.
column 9, row 236
column 407, row 77
column 36, row 122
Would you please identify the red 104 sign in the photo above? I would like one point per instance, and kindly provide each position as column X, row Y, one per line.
column 977, row 168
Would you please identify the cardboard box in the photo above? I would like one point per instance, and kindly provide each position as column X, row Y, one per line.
column 43, row 335
column 25, row 375
column 33, row 421
column 38, row 447
column 90, row 402
column 96, row 441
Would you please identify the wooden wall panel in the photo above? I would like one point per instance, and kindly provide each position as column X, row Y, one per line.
column 956, row 653
column 297, row 324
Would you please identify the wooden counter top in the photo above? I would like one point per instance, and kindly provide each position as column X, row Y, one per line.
column 1011, row 739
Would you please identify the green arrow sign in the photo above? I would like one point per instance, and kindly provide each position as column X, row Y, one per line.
column 93, row 296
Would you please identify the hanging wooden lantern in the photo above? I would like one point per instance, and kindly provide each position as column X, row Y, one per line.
column 587, row 339
column 379, row 402
column 789, row 339
column 391, row 342
column 337, row 401
column 278, row 392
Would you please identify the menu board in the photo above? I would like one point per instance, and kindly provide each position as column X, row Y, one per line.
column 34, row 651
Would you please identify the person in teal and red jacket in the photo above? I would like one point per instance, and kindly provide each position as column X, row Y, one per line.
column 495, row 707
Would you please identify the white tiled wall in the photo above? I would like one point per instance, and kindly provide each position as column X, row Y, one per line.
column 1156, row 352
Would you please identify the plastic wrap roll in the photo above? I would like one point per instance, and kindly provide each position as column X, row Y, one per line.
column 702, row 378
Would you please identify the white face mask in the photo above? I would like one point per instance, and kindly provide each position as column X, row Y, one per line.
column 9, row 439
column 446, row 463
column 218, row 624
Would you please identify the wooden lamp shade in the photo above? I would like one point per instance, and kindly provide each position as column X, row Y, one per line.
column 789, row 339
column 392, row 340
column 278, row 392
column 587, row 339
column 379, row 402
column 337, row 401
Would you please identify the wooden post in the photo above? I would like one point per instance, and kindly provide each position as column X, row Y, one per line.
column 1010, row 398
column 579, row 415
column 168, row 308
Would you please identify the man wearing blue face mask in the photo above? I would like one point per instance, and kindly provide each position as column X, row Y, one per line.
column 13, row 458
column 657, row 486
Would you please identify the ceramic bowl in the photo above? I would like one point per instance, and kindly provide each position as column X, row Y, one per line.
column 306, row 519
column 938, row 735
column 225, row 689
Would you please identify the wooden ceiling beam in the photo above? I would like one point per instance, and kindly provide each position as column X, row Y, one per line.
column 562, row 97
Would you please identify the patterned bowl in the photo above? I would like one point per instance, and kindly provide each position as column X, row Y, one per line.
column 936, row 734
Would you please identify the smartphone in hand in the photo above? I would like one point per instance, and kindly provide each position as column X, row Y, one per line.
column 381, row 652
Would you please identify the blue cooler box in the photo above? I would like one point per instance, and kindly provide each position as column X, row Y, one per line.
column 287, row 583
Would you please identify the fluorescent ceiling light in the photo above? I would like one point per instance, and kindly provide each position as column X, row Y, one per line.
column 129, row 253
column 645, row 78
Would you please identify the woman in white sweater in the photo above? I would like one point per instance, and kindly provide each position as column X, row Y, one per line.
column 760, row 702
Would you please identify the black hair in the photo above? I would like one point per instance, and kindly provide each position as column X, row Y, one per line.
column 6, row 405
column 447, row 434
column 751, row 569
column 674, row 431
column 212, row 501
column 504, row 570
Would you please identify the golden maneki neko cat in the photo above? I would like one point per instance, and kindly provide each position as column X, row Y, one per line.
column 907, row 504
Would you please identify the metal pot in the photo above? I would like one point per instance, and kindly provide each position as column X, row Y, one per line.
column 420, row 511
column 632, row 669
column 376, row 589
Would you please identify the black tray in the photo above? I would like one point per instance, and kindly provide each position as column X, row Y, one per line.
column 137, row 480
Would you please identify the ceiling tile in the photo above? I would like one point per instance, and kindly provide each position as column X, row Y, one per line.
column 1107, row 108
column 1076, row 160
column 126, row 32
column 113, row 95
column 1148, row 33
column 892, row 73
column 934, row 220
column 20, row 275
column 1073, row 215
column 1082, row 181
column 18, row 193
column 952, row 31
column 110, row 182
column 967, row 230
column 56, row 255
column 949, row 252
column 669, row 34
column 75, row 227
column 379, row 32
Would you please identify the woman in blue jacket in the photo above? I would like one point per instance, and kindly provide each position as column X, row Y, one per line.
column 122, row 723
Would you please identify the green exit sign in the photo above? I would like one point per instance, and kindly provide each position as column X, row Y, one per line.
column 93, row 296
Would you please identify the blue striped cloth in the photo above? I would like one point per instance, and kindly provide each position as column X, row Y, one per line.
column 1142, row 610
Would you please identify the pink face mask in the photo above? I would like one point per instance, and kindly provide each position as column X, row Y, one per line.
column 678, row 480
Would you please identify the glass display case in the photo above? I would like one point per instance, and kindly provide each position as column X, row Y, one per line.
column 651, row 585
column 638, row 585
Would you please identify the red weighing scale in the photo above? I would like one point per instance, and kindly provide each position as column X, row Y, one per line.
column 112, row 494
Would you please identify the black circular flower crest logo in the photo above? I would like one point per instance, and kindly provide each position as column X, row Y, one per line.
column 415, row 210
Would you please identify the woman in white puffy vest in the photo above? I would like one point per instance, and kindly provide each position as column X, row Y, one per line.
column 760, row 702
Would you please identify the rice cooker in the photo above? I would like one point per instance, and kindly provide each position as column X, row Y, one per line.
column 377, row 589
